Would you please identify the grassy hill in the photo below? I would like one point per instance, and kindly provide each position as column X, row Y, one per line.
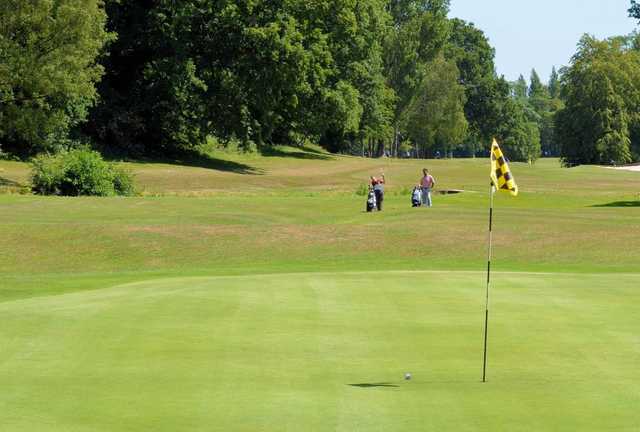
column 301, row 213
column 246, row 292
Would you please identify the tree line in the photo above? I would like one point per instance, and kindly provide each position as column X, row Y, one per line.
column 160, row 77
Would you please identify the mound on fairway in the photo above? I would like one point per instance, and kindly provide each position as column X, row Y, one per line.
column 325, row 352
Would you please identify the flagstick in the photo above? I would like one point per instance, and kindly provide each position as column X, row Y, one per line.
column 486, row 309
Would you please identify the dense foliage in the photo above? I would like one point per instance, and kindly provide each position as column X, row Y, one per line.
column 491, row 108
column 259, row 72
column 78, row 172
column 597, row 121
column 367, row 76
column 601, row 122
column 47, row 70
column 474, row 57
column 435, row 118
column 370, row 77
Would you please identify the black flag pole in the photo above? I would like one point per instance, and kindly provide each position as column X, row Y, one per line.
column 486, row 308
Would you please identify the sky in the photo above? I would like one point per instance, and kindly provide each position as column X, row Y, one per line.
column 543, row 33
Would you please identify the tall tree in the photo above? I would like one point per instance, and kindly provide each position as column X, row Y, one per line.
column 435, row 119
column 554, row 83
column 48, row 70
column 152, row 94
column 260, row 72
column 493, row 107
column 520, row 88
column 518, row 134
column 418, row 33
column 359, row 64
column 536, row 86
column 538, row 94
column 474, row 57
column 547, row 104
column 600, row 122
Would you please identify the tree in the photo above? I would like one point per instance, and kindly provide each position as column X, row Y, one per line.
column 634, row 10
column 554, row 83
column 359, row 61
column 520, row 89
column 435, row 119
column 602, row 89
column 606, row 138
column 48, row 70
column 552, row 105
column 474, row 57
column 258, row 72
column 152, row 93
column 182, row 70
column 419, row 31
column 520, row 137
column 536, row 88
column 548, row 139
column 543, row 110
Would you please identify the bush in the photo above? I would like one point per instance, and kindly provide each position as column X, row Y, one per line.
column 362, row 190
column 46, row 174
column 123, row 182
column 79, row 172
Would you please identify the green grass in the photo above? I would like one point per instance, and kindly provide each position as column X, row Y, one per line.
column 327, row 351
column 252, row 296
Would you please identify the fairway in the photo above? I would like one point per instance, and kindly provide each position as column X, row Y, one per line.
column 325, row 350
column 270, row 301
column 326, row 216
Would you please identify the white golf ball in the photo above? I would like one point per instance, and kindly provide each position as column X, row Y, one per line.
column 407, row 376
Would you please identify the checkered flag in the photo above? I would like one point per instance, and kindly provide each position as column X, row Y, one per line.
column 500, row 174
column 502, row 179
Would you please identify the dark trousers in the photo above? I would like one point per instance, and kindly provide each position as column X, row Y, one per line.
column 379, row 198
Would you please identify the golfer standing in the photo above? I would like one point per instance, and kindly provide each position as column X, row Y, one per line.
column 378, row 189
column 427, row 183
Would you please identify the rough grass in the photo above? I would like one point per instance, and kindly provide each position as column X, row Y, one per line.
column 225, row 298
column 564, row 220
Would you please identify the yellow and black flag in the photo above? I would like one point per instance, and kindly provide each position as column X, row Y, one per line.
column 503, row 180
column 500, row 174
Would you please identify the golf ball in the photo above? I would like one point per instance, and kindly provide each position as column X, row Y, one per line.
column 407, row 376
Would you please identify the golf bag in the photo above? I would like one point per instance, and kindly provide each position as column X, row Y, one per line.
column 416, row 197
column 371, row 201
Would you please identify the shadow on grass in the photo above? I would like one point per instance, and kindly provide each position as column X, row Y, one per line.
column 620, row 204
column 9, row 183
column 198, row 160
column 303, row 153
column 373, row 385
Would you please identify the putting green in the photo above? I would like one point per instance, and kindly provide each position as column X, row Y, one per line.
column 326, row 351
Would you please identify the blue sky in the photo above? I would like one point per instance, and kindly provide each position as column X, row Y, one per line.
column 543, row 33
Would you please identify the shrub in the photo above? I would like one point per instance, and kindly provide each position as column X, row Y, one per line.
column 46, row 174
column 79, row 172
column 86, row 173
column 123, row 182
column 362, row 190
